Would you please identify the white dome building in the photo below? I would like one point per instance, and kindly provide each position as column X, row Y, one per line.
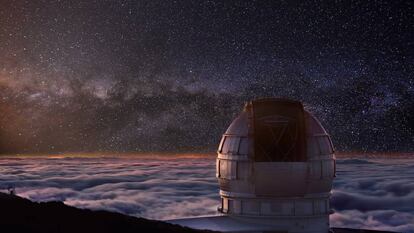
column 275, row 168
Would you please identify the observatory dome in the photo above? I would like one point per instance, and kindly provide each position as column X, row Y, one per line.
column 276, row 165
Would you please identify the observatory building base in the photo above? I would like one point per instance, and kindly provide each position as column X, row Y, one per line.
column 225, row 223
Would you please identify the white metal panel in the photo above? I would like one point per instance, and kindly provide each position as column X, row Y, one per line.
column 223, row 168
column 319, row 206
column 303, row 208
column 236, row 206
column 225, row 147
column 328, row 169
column 316, row 169
column 231, row 145
column 244, row 146
column 313, row 147
column 243, row 170
column 323, row 208
column 266, row 208
column 233, row 170
column 225, row 204
column 282, row 208
column 234, row 145
column 288, row 208
column 251, row 207
column 228, row 169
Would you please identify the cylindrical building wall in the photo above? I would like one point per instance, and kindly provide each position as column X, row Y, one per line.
column 284, row 184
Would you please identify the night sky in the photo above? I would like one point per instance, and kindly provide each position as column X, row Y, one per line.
column 171, row 75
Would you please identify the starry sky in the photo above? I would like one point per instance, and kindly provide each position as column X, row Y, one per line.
column 169, row 76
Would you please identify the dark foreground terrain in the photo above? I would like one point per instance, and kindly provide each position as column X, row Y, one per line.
column 21, row 215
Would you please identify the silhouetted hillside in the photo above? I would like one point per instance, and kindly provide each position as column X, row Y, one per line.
column 21, row 215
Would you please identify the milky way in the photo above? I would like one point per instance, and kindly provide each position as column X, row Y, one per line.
column 170, row 76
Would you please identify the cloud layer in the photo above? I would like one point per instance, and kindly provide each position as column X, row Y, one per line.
column 373, row 194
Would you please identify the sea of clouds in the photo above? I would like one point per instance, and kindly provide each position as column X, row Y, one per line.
column 368, row 193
